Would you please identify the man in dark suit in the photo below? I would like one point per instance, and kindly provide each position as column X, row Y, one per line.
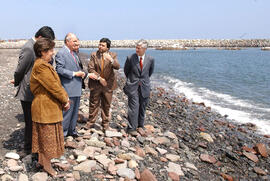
column 138, row 70
column 102, row 63
column 22, row 78
column 69, row 69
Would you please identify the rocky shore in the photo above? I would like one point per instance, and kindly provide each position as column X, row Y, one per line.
column 193, row 43
column 183, row 140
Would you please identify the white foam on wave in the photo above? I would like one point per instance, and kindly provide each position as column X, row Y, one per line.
column 233, row 100
column 222, row 103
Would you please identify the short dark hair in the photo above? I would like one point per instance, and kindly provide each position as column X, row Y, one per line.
column 107, row 41
column 43, row 45
column 45, row 32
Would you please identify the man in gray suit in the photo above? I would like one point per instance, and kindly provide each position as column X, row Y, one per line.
column 138, row 70
column 68, row 67
column 21, row 79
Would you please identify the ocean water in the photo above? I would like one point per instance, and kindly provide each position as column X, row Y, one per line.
column 235, row 83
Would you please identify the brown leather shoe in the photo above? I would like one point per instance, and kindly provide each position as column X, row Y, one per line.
column 89, row 125
column 105, row 127
column 141, row 131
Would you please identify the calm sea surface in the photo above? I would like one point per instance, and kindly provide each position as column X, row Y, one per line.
column 232, row 82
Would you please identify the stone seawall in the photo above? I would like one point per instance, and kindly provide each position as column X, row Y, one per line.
column 160, row 43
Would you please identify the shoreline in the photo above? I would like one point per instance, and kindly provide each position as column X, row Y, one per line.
column 183, row 138
column 182, row 44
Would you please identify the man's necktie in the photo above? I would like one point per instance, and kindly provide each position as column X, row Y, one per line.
column 141, row 64
column 102, row 66
column 74, row 57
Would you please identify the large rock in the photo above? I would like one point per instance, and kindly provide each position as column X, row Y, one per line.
column 227, row 177
column 124, row 156
column 12, row 163
column 90, row 151
column 172, row 157
column 112, row 169
column 76, row 175
column 126, row 172
column 103, row 159
column 251, row 156
column 1, row 171
column 259, row 171
column 208, row 158
column 261, row 149
column 173, row 176
column 132, row 164
column 23, row 177
column 146, row 175
column 12, row 155
column 40, row 176
column 95, row 142
column 149, row 128
column 16, row 168
column 161, row 151
column 85, row 166
column 152, row 151
column 125, row 143
column 140, row 152
column 81, row 158
column 206, row 136
column 161, row 140
column 190, row 165
column 173, row 167
column 113, row 134
column 170, row 135
column 6, row 177
column 63, row 166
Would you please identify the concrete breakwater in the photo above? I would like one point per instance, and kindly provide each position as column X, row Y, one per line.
column 159, row 43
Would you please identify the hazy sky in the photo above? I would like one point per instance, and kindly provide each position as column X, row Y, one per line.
column 149, row 19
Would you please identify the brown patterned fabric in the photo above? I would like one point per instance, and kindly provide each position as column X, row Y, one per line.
column 49, row 94
column 48, row 140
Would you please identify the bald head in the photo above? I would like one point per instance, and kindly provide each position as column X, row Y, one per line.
column 71, row 41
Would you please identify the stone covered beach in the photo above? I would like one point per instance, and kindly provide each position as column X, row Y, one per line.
column 183, row 140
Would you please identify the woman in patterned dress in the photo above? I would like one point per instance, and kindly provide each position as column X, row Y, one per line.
column 49, row 100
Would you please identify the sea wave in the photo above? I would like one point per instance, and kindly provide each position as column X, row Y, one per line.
column 238, row 110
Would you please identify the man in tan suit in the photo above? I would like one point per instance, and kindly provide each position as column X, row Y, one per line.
column 102, row 63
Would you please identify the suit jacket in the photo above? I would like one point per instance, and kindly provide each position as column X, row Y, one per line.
column 49, row 93
column 65, row 66
column 94, row 66
column 23, row 71
column 136, row 77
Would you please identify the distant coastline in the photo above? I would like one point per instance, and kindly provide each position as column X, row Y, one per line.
column 159, row 44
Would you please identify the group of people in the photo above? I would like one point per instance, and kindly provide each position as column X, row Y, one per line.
column 50, row 96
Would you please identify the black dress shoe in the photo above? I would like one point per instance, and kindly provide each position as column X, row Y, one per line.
column 132, row 132
column 77, row 135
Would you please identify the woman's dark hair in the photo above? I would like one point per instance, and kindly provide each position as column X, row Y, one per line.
column 107, row 41
column 43, row 45
column 45, row 32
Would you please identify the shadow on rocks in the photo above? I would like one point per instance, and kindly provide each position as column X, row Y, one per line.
column 19, row 117
column 15, row 140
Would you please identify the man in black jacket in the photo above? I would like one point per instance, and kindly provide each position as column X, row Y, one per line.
column 21, row 79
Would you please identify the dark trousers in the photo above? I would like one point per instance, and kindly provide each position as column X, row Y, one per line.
column 136, row 110
column 100, row 98
column 70, row 117
column 26, row 106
